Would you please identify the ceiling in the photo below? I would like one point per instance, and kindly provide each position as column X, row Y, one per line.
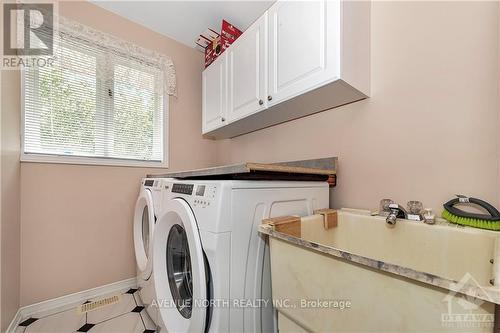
column 185, row 20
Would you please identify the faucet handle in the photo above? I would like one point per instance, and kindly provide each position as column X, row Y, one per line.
column 429, row 217
column 415, row 210
column 415, row 207
column 384, row 209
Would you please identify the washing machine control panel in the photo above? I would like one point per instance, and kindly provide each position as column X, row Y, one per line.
column 183, row 188
column 204, row 195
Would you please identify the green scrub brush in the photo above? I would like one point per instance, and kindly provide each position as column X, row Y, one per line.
column 483, row 221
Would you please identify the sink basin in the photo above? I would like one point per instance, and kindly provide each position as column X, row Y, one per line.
column 445, row 250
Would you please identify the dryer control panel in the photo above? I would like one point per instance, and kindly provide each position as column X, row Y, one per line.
column 155, row 184
column 198, row 195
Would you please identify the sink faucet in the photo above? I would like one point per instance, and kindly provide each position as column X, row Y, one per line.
column 396, row 212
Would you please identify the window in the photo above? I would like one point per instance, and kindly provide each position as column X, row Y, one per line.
column 95, row 105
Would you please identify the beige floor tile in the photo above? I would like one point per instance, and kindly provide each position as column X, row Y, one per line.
column 127, row 323
column 138, row 299
column 63, row 322
column 150, row 325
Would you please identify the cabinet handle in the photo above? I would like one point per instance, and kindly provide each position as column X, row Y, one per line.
column 269, row 98
column 261, row 102
column 223, row 119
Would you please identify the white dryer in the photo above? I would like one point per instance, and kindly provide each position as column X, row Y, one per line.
column 147, row 210
column 211, row 266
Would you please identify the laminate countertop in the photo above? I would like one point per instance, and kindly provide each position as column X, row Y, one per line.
column 323, row 169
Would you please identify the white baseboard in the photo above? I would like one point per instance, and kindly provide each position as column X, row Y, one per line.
column 68, row 300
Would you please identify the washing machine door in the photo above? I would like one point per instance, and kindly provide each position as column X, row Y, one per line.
column 179, row 270
column 144, row 223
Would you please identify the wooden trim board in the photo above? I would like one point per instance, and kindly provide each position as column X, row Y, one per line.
column 324, row 166
column 289, row 225
column 287, row 169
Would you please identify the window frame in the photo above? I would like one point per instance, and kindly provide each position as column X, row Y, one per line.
column 98, row 161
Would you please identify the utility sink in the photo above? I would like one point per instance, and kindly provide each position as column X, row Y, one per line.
column 412, row 277
column 445, row 250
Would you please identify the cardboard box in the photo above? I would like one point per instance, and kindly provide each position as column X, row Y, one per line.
column 212, row 51
column 229, row 34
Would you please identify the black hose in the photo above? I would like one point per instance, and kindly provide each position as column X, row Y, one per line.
column 494, row 213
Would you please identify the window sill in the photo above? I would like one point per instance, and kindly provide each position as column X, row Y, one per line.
column 28, row 158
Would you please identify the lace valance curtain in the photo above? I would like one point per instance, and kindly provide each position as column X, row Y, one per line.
column 69, row 31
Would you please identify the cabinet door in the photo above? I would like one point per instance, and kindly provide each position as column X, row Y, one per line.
column 214, row 94
column 247, row 71
column 304, row 39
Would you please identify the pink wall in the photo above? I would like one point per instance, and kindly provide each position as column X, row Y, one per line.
column 430, row 129
column 76, row 221
column 10, row 198
column 9, row 195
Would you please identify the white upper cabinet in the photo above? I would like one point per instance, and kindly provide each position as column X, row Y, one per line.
column 214, row 95
column 247, row 72
column 303, row 40
column 298, row 58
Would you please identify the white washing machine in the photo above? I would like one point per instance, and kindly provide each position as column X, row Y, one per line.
column 211, row 266
column 147, row 211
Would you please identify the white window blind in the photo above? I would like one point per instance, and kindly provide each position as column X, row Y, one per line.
column 95, row 103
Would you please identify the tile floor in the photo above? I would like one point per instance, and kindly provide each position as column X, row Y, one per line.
column 126, row 316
